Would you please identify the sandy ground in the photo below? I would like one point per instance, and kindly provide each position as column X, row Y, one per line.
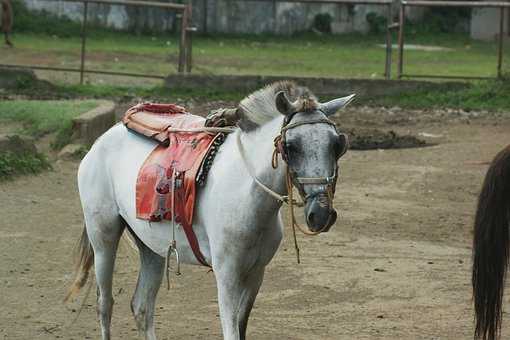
column 395, row 266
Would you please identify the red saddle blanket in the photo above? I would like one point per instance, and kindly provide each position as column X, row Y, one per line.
column 167, row 179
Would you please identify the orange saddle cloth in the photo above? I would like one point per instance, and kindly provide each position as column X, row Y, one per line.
column 167, row 180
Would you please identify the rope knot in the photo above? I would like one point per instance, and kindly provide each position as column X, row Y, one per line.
column 277, row 146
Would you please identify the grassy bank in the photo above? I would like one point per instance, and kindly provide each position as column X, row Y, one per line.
column 491, row 95
column 40, row 117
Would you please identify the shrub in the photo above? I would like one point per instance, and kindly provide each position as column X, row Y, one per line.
column 376, row 23
column 322, row 22
column 12, row 164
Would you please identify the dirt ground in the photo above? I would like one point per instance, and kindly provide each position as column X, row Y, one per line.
column 395, row 266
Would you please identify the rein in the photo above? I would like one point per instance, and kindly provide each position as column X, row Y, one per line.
column 289, row 179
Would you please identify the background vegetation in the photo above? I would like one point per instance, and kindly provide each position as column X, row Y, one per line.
column 12, row 165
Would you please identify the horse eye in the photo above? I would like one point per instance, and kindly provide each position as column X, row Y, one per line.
column 340, row 146
column 290, row 148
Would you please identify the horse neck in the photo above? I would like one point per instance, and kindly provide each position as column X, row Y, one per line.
column 258, row 147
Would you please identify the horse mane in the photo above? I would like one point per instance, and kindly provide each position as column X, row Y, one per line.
column 259, row 107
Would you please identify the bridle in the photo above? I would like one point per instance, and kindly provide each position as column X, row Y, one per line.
column 280, row 144
column 280, row 147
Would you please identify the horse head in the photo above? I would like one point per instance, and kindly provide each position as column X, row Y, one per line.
column 311, row 146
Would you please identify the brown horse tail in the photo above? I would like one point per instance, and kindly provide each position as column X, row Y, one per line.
column 84, row 260
column 491, row 247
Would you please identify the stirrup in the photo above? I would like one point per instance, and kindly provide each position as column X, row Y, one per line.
column 172, row 249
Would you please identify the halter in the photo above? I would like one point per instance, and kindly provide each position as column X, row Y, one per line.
column 280, row 143
column 292, row 179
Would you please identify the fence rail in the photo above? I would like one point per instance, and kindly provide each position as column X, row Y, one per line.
column 470, row 4
column 185, row 50
column 185, row 42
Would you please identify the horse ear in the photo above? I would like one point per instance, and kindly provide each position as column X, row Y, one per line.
column 332, row 107
column 283, row 104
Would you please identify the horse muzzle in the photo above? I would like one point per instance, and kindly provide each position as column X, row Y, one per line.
column 320, row 215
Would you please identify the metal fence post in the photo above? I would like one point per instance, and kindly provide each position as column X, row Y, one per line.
column 401, row 21
column 189, row 34
column 83, row 39
column 387, row 66
column 189, row 52
column 500, row 40
column 182, row 43
column 206, row 14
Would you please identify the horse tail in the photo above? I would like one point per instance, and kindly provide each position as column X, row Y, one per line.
column 84, row 261
column 491, row 247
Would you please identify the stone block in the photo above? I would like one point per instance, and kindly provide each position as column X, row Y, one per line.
column 92, row 124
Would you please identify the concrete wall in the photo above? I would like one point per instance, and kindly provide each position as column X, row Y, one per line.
column 120, row 17
column 225, row 16
column 485, row 23
column 326, row 88
column 88, row 126
column 232, row 16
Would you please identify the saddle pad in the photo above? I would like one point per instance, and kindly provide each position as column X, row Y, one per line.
column 180, row 161
column 153, row 120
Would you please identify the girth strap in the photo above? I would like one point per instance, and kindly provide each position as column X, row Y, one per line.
column 193, row 243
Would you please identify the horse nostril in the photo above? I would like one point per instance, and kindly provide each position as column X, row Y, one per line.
column 310, row 218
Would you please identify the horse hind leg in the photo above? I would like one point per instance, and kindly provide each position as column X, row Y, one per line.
column 104, row 235
column 149, row 280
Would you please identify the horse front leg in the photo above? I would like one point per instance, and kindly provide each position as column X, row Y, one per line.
column 237, row 291
column 252, row 286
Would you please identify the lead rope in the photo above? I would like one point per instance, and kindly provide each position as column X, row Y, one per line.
column 289, row 199
column 173, row 246
column 291, row 213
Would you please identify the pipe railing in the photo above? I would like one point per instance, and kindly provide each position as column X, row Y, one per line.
column 185, row 41
column 185, row 58
column 471, row 4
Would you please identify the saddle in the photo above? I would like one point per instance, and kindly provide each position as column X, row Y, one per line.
column 167, row 181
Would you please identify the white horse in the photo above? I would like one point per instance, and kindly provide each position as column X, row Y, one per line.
column 237, row 221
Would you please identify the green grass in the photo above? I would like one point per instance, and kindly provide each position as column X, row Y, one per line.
column 491, row 95
column 40, row 117
column 12, row 165
column 309, row 55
